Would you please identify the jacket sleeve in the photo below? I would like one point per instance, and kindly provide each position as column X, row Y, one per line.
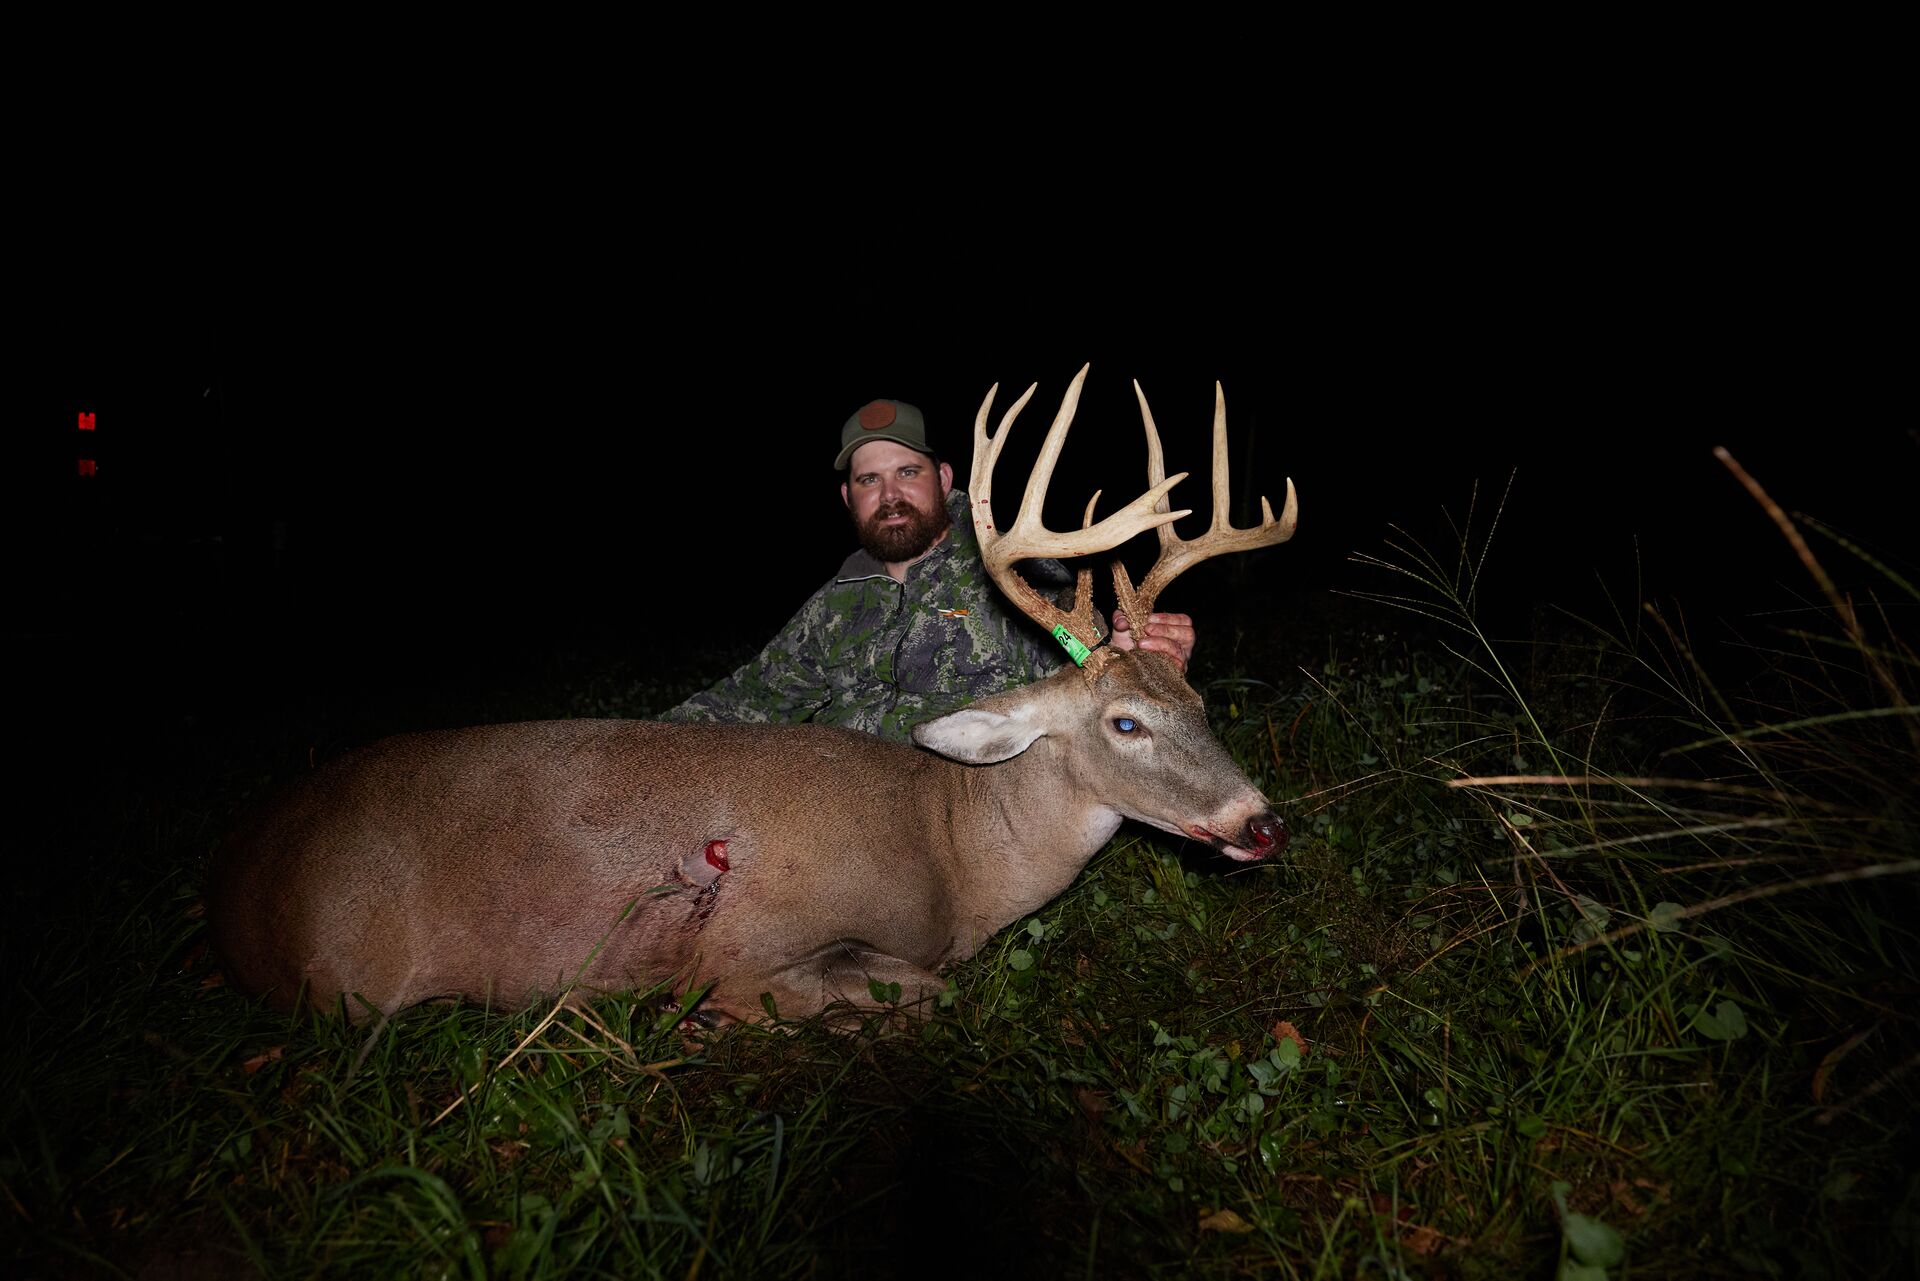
column 785, row 683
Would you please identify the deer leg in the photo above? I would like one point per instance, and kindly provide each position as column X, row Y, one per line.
column 846, row 972
column 864, row 978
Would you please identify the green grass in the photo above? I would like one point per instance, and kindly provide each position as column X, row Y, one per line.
column 1583, row 957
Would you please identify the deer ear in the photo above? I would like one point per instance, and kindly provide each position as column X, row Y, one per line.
column 979, row 736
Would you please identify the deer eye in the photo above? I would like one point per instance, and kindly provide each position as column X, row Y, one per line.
column 1125, row 724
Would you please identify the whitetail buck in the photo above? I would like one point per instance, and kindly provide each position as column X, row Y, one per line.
column 508, row 862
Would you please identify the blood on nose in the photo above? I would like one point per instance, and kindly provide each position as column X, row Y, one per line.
column 1267, row 833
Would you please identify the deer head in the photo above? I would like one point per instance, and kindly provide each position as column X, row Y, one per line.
column 1135, row 731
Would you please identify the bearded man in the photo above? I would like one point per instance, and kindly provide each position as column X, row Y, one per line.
column 911, row 627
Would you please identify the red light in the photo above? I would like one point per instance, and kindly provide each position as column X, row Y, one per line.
column 86, row 420
column 87, row 467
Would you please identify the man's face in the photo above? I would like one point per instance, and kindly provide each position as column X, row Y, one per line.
column 897, row 499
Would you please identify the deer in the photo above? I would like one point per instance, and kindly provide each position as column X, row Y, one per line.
column 792, row 869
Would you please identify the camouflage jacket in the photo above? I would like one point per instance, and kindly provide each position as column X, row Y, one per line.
column 873, row 654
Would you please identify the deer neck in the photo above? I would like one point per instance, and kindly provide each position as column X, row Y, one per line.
column 1026, row 829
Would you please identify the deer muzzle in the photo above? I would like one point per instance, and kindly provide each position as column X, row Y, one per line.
column 1263, row 836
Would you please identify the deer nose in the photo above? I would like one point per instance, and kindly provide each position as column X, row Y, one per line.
column 1266, row 834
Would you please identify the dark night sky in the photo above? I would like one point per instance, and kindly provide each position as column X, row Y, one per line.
column 474, row 444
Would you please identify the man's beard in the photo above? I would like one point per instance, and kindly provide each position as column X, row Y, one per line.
column 896, row 544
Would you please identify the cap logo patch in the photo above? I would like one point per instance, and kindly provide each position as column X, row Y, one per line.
column 879, row 414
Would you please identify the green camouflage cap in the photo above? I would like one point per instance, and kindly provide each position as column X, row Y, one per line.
column 893, row 420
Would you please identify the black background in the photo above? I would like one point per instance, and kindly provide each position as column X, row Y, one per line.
column 385, row 440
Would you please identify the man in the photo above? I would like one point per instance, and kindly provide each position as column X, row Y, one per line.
column 911, row 627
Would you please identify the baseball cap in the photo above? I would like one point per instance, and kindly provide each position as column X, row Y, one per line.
column 893, row 420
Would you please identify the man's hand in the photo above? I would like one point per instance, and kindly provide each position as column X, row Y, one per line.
column 1169, row 634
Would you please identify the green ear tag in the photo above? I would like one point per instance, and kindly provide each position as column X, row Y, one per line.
column 1069, row 642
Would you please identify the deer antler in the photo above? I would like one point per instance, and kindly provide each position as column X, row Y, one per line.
column 1178, row 554
column 1028, row 538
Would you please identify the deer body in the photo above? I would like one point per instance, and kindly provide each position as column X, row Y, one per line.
column 509, row 862
column 491, row 863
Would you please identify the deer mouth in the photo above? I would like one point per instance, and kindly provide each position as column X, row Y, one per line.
column 1264, row 836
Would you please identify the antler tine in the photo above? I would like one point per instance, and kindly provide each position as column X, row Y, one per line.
column 1180, row 554
column 987, row 452
column 1028, row 537
column 1042, row 474
column 1156, row 463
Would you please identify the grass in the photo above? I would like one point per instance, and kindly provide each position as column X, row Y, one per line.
column 1585, row 959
